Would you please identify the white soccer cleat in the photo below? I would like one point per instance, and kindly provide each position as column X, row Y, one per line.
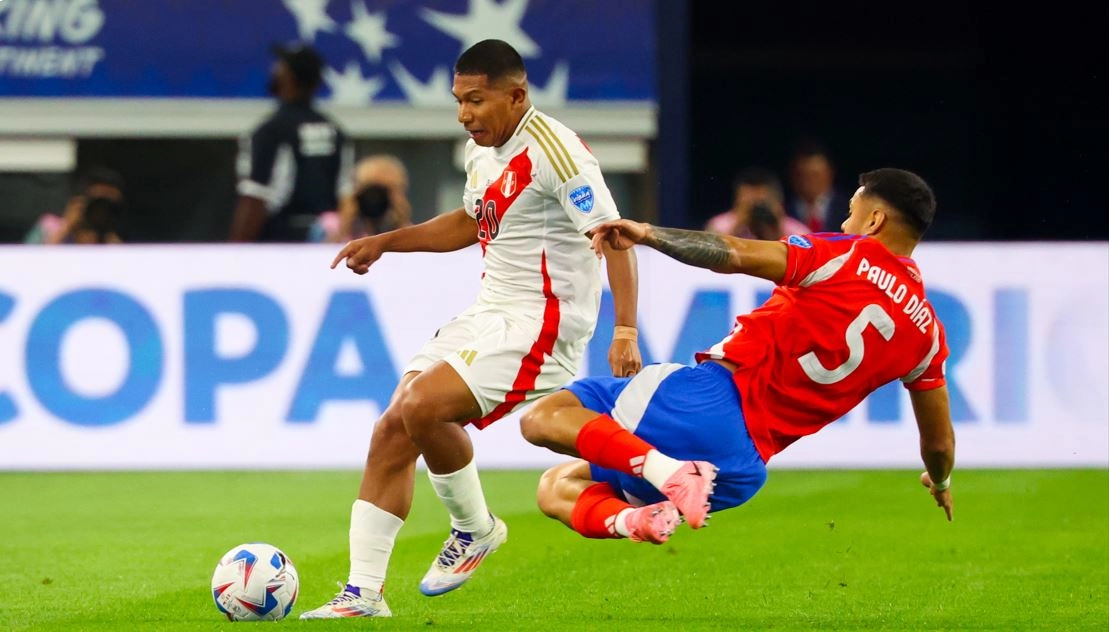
column 350, row 602
column 459, row 558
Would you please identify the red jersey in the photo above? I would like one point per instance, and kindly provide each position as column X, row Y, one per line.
column 848, row 317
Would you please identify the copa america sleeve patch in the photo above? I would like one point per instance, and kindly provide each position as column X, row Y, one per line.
column 799, row 240
column 582, row 198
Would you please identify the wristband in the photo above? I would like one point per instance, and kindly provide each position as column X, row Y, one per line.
column 939, row 487
column 622, row 332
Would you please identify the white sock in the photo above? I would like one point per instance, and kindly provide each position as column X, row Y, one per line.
column 373, row 532
column 658, row 467
column 621, row 523
column 461, row 493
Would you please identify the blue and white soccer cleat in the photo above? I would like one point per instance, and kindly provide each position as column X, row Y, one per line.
column 351, row 602
column 460, row 556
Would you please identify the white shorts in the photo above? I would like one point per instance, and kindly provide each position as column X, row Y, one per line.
column 504, row 357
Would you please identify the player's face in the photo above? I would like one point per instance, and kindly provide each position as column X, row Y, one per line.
column 858, row 215
column 488, row 111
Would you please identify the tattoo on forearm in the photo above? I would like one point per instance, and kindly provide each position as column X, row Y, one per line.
column 695, row 248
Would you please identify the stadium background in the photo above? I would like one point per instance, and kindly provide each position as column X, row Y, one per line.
column 177, row 353
column 674, row 98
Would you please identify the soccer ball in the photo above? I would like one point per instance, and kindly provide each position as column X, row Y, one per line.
column 255, row 582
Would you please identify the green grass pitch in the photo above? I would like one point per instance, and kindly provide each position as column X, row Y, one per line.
column 834, row 550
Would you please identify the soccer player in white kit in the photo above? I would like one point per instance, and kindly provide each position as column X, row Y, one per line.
column 533, row 193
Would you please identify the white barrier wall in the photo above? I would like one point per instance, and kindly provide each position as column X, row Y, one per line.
column 263, row 357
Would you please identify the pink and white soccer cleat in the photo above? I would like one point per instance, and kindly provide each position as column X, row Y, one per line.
column 653, row 523
column 689, row 489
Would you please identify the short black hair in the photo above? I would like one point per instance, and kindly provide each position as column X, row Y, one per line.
column 758, row 177
column 304, row 63
column 98, row 176
column 906, row 192
column 493, row 58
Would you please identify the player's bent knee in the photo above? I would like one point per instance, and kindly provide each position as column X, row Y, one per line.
column 390, row 446
column 546, row 494
column 416, row 410
column 538, row 419
column 425, row 406
column 531, row 425
column 389, row 429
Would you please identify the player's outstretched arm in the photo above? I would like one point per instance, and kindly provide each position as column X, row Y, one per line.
column 445, row 233
column 719, row 253
column 937, row 443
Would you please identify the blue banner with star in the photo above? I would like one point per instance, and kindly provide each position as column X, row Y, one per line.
column 375, row 50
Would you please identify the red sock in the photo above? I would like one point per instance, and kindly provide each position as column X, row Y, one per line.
column 594, row 514
column 606, row 443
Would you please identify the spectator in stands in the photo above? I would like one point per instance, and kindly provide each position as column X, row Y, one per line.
column 296, row 164
column 757, row 209
column 93, row 214
column 379, row 203
column 814, row 199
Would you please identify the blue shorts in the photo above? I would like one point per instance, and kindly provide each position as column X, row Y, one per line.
column 686, row 412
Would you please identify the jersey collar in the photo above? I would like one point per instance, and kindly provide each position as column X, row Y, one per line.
column 512, row 145
column 524, row 120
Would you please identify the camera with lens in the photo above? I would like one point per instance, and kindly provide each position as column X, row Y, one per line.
column 373, row 202
column 764, row 221
column 102, row 217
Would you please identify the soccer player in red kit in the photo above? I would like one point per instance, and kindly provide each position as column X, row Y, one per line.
column 849, row 315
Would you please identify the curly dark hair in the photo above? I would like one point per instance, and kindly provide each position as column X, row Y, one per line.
column 908, row 194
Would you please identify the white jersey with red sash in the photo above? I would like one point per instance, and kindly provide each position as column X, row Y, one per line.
column 533, row 198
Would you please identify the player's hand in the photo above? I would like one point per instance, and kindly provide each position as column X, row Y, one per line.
column 943, row 498
column 624, row 358
column 360, row 254
column 619, row 235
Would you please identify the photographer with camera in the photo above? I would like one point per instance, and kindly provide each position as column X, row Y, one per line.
column 757, row 209
column 379, row 202
column 99, row 224
column 93, row 214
